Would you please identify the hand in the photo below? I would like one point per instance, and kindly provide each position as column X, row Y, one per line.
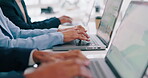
column 63, row 69
column 79, row 27
column 50, row 57
column 72, row 54
column 41, row 57
column 77, row 32
column 72, row 34
column 65, row 19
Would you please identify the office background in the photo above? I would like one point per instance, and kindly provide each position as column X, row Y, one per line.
column 62, row 7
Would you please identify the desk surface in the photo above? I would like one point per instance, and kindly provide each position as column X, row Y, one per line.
column 88, row 54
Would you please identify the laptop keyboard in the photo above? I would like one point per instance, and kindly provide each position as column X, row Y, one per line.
column 96, row 69
column 94, row 40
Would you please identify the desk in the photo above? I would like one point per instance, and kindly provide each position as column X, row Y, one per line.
column 88, row 54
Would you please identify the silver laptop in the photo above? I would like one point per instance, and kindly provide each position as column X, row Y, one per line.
column 128, row 54
column 99, row 41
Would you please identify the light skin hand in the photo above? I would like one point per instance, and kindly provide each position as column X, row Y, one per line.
column 65, row 19
column 80, row 30
column 68, row 69
column 79, row 27
column 74, row 33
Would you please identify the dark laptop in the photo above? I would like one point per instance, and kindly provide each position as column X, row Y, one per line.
column 99, row 41
column 128, row 54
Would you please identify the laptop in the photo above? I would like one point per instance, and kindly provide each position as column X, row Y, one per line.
column 127, row 57
column 101, row 39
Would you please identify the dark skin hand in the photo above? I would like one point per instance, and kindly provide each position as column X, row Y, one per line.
column 49, row 57
column 73, row 54
column 68, row 69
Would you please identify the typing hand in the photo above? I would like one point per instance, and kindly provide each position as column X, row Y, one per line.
column 62, row 69
column 73, row 54
column 50, row 57
column 65, row 19
column 77, row 32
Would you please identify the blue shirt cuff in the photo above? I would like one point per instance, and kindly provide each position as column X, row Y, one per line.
column 53, row 30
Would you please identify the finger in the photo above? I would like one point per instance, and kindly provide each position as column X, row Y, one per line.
column 82, row 37
column 81, row 61
column 79, row 27
column 83, row 33
column 69, row 20
column 74, row 62
column 78, row 53
column 67, row 17
column 58, row 55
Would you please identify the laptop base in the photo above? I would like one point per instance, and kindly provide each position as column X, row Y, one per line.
column 94, row 44
column 100, row 69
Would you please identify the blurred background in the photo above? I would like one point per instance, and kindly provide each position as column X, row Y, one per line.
column 37, row 9
column 42, row 9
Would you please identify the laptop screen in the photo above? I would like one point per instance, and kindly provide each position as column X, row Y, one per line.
column 108, row 20
column 129, row 51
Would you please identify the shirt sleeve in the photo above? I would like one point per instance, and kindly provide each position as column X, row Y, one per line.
column 40, row 39
column 31, row 61
column 11, row 74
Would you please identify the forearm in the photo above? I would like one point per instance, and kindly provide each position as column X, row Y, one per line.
column 36, row 32
column 17, row 32
column 40, row 42
column 48, row 23
column 11, row 74
column 14, row 59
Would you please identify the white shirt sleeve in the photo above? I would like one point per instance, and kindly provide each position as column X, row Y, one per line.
column 31, row 61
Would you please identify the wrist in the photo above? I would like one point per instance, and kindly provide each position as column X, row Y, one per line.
column 35, row 56
column 39, row 56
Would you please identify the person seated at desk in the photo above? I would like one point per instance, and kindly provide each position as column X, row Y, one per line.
column 12, row 36
column 16, row 11
column 53, row 65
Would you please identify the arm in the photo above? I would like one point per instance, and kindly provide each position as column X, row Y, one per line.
column 10, row 10
column 68, row 69
column 17, row 32
column 40, row 42
column 11, row 74
column 28, row 39
column 14, row 59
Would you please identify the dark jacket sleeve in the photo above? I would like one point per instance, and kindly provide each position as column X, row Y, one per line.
column 11, row 74
column 12, row 11
column 14, row 59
